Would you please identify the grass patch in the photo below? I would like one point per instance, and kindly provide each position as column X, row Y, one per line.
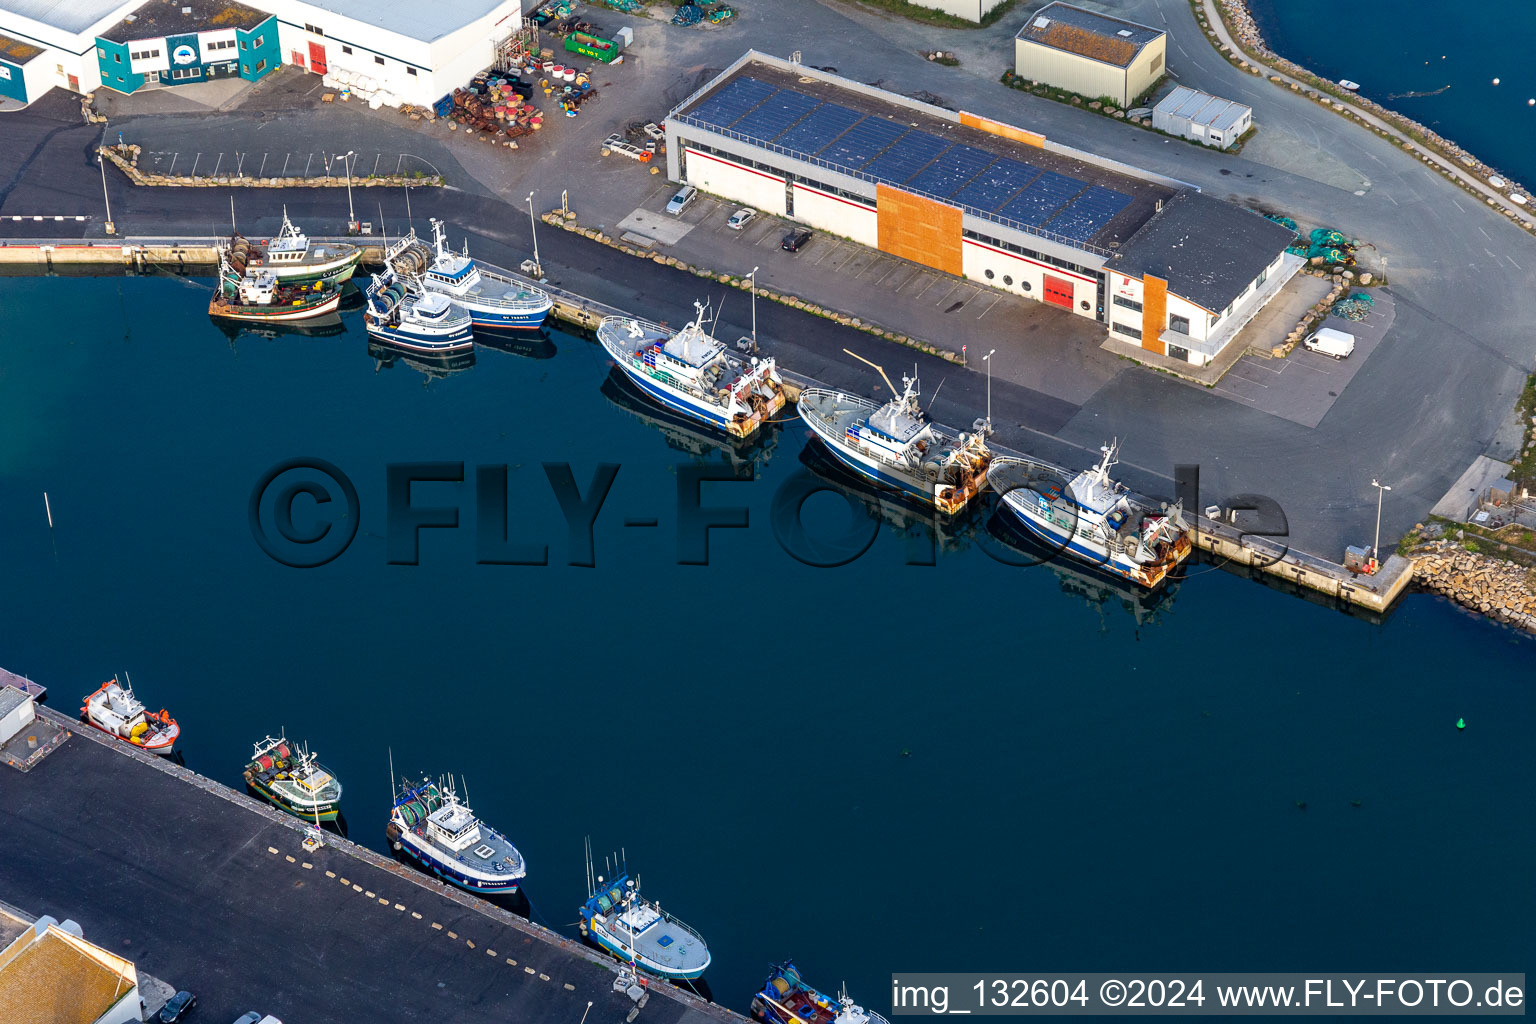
column 915, row 12
column 1524, row 468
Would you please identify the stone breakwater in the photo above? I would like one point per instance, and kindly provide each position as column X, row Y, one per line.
column 1503, row 591
column 1245, row 31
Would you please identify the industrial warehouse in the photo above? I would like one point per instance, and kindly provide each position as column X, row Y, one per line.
column 1148, row 256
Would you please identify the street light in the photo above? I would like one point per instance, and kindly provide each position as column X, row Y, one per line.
column 753, row 278
column 538, row 268
column 101, row 161
column 988, row 360
column 351, row 217
column 1381, row 490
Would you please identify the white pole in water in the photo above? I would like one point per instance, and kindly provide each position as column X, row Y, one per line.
column 753, row 276
column 102, row 162
column 538, row 268
column 1381, row 490
column 988, row 360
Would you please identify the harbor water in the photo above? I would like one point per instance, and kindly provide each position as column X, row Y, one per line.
column 1436, row 68
column 872, row 767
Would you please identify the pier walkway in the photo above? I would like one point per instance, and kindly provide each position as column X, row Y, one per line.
column 205, row 886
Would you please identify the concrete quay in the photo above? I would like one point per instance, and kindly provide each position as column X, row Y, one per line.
column 201, row 884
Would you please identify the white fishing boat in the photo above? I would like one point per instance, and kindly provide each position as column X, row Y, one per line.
column 1095, row 519
column 492, row 296
column 293, row 258
column 117, row 712
column 637, row 931
column 690, row 371
column 437, row 830
column 896, row 446
column 422, row 322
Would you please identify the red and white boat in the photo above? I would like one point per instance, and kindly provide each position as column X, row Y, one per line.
column 114, row 710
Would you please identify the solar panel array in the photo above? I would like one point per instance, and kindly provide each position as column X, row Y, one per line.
column 899, row 154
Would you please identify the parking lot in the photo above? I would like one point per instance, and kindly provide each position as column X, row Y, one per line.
column 1303, row 386
column 286, row 164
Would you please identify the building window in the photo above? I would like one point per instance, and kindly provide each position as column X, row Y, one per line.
column 261, row 66
column 1121, row 300
column 259, row 41
column 1181, row 354
column 1178, row 323
column 1027, row 286
column 1157, row 63
column 182, row 74
column 101, row 54
column 242, row 44
column 152, row 78
column 411, row 72
column 989, row 275
column 346, row 50
column 1263, row 274
column 116, row 56
column 315, row 29
column 378, row 60
column 1132, row 332
column 1214, row 318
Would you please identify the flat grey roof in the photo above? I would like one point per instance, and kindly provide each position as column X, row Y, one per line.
column 1202, row 108
column 856, row 132
column 1096, row 36
column 1206, row 249
column 68, row 15
column 414, row 19
column 11, row 699
column 179, row 17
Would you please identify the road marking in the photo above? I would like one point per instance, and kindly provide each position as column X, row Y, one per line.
column 345, row 882
column 437, row 926
column 289, row 858
column 931, row 282
column 1389, row 198
column 384, row 901
column 543, row 977
column 173, row 163
column 1487, row 236
column 529, row 970
column 947, row 294
column 309, row 158
column 453, row 935
column 217, row 163
column 1517, row 266
column 490, row 952
column 285, row 165
column 1490, row 254
column 470, row 943
column 828, row 252
column 369, row 895
column 271, row 849
column 330, row 874
column 511, row 962
column 262, row 169
column 307, row 866
column 416, row 915
column 399, row 906
column 569, row 987
column 376, row 164
column 1457, row 205
column 194, row 164
column 358, row 888
column 995, row 300
column 889, row 270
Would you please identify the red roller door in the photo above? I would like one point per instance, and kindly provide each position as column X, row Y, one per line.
column 1058, row 292
column 317, row 62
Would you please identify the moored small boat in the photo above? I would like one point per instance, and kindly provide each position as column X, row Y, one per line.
column 437, row 830
column 259, row 295
column 894, row 445
column 117, row 712
column 422, row 322
column 690, row 371
column 786, row 999
column 637, row 931
column 293, row 259
column 1094, row 518
column 293, row 780
column 493, row 297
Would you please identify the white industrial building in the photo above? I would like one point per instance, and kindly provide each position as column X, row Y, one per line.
column 17, row 711
column 973, row 197
column 1090, row 54
column 416, row 53
column 1209, row 120
column 63, row 35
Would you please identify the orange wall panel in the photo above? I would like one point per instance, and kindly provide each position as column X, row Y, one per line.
column 1007, row 131
column 1154, row 313
column 918, row 229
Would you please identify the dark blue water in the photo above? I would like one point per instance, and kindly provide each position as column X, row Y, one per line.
column 1082, row 788
column 1406, row 53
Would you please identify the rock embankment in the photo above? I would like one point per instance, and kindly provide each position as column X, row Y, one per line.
column 1503, row 591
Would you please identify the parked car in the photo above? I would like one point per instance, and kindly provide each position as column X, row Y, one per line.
column 176, row 1007
column 679, row 202
column 249, row 1018
column 1330, row 342
column 795, row 240
column 741, row 218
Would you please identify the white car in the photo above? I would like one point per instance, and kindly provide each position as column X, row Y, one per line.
column 679, row 202
column 741, row 218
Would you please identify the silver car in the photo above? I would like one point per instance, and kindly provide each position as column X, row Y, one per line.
column 679, row 202
column 741, row 218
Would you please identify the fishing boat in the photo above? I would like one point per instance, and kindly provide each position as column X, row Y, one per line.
column 1095, row 518
column 293, row 258
column 258, row 295
column 437, row 830
column 1345, row 83
column 894, row 445
column 293, row 780
column 787, row 999
column 420, row 322
column 492, row 296
column 637, row 931
column 117, row 712
column 692, row 372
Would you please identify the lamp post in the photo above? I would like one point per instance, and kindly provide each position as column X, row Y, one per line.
column 101, row 161
column 351, row 216
column 753, row 278
column 1381, row 490
column 538, row 268
column 988, row 360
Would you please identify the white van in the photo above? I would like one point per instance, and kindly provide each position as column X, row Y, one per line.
column 1330, row 342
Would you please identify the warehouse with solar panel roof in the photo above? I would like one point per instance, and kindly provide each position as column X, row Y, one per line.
column 1160, row 265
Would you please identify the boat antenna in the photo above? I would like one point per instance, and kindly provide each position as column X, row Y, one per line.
column 591, row 888
column 391, row 770
column 876, row 366
column 465, row 783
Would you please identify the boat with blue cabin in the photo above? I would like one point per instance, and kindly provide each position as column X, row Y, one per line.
column 438, row 831
column 688, row 370
column 1094, row 518
column 895, row 446
column 786, row 999
column 493, row 297
column 420, row 321
column 637, row 931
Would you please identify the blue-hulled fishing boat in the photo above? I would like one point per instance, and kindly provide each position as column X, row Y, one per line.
column 493, row 297
column 437, row 830
column 422, row 322
column 787, row 999
column 637, row 931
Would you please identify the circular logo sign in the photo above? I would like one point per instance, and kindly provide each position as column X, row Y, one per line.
column 184, row 54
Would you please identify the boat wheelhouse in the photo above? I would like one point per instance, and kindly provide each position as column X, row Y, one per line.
column 1094, row 518
column 787, row 999
column 437, row 830
column 293, row 259
column 493, row 297
column 894, row 445
column 421, row 322
column 637, row 931
column 117, row 712
column 690, row 371
column 293, row 780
